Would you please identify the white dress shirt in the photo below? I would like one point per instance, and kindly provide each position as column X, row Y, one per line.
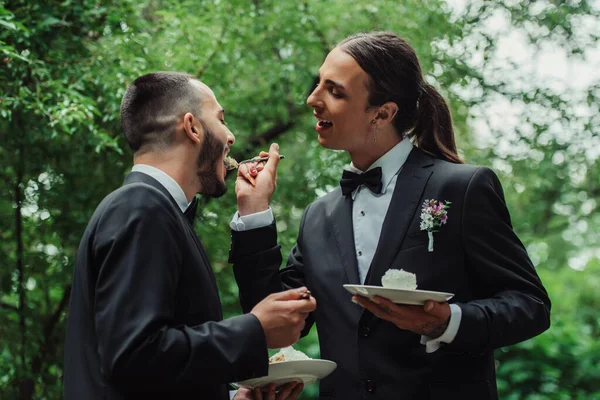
column 368, row 213
column 169, row 183
column 369, row 209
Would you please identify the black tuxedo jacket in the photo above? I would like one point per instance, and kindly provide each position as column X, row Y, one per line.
column 145, row 316
column 476, row 255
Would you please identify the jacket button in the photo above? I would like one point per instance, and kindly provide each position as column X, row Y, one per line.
column 370, row 386
column 365, row 331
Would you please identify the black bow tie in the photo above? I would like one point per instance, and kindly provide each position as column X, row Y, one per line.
column 190, row 212
column 371, row 179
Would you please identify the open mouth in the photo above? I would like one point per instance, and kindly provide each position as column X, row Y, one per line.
column 323, row 123
column 230, row 163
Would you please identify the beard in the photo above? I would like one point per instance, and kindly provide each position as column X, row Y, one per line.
column 207, row 163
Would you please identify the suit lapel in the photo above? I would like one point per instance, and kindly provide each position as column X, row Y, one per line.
column 192, row 233
column 405, row 201
column 343, row 234
column 134, row 177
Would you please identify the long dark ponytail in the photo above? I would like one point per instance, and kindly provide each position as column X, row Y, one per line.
column 395, row 75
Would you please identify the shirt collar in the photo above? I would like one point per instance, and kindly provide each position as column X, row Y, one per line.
column 169, row 183
column 390, row 163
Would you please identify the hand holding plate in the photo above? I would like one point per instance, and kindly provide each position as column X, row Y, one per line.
column 431, row 319
column 289, row 391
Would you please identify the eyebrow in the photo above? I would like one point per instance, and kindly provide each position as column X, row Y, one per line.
column 333, row 83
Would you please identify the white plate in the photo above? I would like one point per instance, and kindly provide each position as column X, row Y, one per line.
column 399, row 296
column 307, row 371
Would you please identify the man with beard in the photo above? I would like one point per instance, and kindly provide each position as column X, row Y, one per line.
column 145, row 316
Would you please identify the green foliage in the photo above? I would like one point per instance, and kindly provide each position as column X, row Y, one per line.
column 65, row 66
column 563, row 362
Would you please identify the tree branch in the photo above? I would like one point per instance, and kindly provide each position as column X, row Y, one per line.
column 20, row 247
column 26, row 385
column 270, row 134
column 264, row 139
column 9, row 307
column 320, row 34
column 55, row 317
column 214, row 53
column 48, row 344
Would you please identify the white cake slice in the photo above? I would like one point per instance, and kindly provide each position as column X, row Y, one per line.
column 288, row 354
column 399, row 279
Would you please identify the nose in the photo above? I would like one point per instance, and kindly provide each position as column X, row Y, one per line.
column 230, row 138
column 314, row 100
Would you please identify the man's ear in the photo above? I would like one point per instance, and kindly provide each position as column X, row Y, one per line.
column 386, row 113
column 193, row 132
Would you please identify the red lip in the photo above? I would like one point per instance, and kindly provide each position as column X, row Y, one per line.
column 318, row 127
column 322, row 129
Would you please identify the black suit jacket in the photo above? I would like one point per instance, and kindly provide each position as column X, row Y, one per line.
column 145, row 316
column 477, row 256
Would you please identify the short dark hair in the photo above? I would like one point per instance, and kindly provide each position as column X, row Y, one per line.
column 395, row 75
column 152, row 105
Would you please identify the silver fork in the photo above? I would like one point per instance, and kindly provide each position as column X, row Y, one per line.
column 258, row 159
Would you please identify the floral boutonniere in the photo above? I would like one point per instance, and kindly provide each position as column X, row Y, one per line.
column 434, row 214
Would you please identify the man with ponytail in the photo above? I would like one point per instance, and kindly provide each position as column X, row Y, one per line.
column 372, row 101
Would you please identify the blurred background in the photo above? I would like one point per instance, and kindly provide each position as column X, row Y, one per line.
column 522, row 79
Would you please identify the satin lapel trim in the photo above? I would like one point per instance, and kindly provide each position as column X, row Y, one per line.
column 405, row 202
column 133, row 177
column 207, row 265
column 343, row 234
